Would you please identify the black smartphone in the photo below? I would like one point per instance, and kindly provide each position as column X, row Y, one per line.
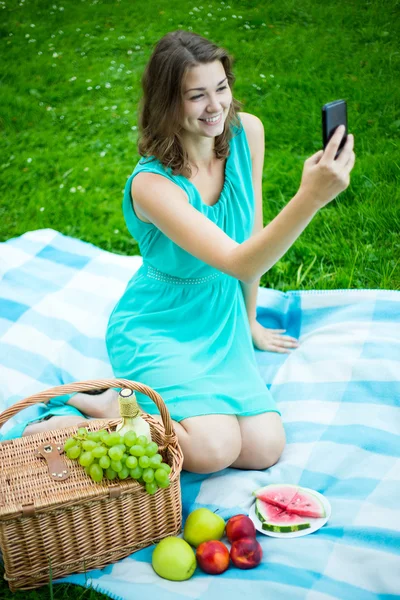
column 333, row 115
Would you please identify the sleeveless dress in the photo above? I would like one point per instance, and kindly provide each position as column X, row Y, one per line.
column 181, row 326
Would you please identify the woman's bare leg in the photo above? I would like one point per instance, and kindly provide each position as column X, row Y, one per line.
column 263, row 441
column 100, row 406
column 52, row 423
column 209, row 443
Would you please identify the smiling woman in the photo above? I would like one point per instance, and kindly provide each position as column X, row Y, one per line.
column 186, row 323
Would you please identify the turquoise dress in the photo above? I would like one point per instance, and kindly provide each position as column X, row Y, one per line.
column 181, row 326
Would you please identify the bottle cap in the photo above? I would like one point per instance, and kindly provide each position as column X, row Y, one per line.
column 128, row 406
column 126, row 392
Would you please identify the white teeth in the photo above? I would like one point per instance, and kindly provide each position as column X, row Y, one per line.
column 212, row 120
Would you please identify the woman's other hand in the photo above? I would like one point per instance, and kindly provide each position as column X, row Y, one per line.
column 272, row 340
column 324, row 177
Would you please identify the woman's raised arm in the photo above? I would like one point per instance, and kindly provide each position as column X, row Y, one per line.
column 166, row 206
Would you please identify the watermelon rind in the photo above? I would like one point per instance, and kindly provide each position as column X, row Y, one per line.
column 289, row 488
column 310, row 506
column 270, row 524
column 284, row 528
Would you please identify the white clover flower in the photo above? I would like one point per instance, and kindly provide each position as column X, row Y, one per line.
column 73, row 78
column 116, row 231
column 86, row 169
column 134, row 128
column 29, row 160
column 61, row 186
column 49, row 108
column 262, row 75
column 41, row 208
column 55, row 54
column 126, row 112
column 137, row 47
column 88, row 81
column 72, row 190
column 98, row 87
column 105, row 108
column 106, row 39
column 114, row 107
column 39, row 53
column 89, row 88
column 108, row 85
column 27, row 35
column 33, row 25
column 272, row 75
column 103, row 153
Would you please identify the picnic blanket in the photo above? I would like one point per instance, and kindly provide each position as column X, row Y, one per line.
column 338, row 393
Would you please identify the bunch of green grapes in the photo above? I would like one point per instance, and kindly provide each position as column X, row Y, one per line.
column 112, row 456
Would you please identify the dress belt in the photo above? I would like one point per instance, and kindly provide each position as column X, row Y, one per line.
column 154, row 273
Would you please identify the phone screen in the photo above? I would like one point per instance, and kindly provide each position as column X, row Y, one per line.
column 333, row 115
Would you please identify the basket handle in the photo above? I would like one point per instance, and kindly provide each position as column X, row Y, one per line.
column 85, row 386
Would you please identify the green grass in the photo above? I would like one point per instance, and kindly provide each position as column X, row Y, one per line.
column 291, row 57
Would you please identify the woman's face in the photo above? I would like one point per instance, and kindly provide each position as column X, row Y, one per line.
column 205, row 110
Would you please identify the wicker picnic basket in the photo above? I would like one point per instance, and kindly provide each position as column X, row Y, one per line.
column 54, row 520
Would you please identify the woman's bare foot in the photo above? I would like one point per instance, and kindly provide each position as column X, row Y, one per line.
column 101, row 406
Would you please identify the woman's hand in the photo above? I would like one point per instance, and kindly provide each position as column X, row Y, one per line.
column 271, row 340
column 324, row 177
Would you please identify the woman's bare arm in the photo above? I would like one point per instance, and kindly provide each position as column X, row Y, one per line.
column 166, row 206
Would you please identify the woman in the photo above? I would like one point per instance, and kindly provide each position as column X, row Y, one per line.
column 186, row 323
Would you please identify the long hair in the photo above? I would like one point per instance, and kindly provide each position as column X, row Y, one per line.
column 161, row 105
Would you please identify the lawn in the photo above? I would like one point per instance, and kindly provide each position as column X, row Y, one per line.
column 70, row 87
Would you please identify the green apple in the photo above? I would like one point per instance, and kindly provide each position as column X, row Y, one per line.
column 174, row 559
column 202, row 525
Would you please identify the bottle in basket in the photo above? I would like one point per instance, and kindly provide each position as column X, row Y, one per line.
column 131, row 415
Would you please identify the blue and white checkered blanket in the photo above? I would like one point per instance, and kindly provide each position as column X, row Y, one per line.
column 338, row 393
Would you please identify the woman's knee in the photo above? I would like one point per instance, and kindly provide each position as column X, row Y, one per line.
column 213, row 443
column 263, row 441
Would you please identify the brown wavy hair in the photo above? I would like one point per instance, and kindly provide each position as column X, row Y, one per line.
column 161, row 105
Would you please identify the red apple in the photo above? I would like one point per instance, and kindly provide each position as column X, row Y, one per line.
column 212, row 557
column 240, row 526
column 246, row 553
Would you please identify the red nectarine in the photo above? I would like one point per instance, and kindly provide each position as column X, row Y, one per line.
column 212, row 557
column 246, row 553
column 239, row 526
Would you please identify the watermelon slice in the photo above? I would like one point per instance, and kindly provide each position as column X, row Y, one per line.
column 306, row 504
column 279, row 495
column 293, row 499
column 275, row 519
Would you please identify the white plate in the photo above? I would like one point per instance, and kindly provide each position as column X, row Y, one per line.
column 315, row 523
